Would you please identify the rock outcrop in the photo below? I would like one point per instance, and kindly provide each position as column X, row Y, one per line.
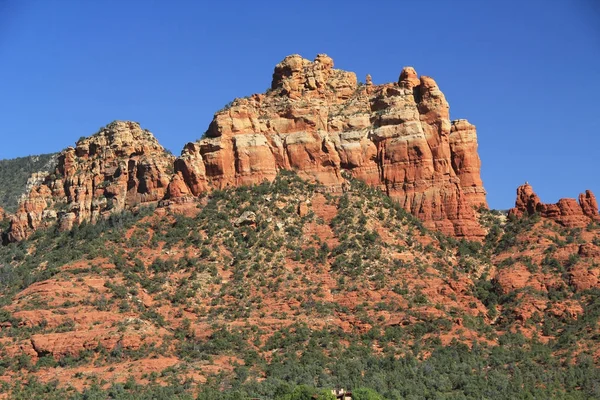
column 567, row 212
column 2, row 214
column 319, row 121
column 315, row 120
column 117, row 168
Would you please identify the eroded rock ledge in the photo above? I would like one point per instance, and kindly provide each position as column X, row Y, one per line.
column 316, row 120
column 567, row 212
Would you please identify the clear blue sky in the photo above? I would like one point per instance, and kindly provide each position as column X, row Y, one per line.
column 527, row 72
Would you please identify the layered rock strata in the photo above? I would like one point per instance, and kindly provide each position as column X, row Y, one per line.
column 315, row 120
column 319, row 121
column 117, row 168
column 567, row 212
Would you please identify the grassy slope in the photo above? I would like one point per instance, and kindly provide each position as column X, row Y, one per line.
column 346, row 291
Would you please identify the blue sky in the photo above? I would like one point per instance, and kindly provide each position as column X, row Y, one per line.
column 527, row 73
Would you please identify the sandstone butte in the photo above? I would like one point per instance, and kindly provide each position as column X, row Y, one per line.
column 567, row 212
column 315, row 120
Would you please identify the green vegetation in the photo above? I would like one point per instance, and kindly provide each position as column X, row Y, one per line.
column 214, row 282
column 518, row 369
column 14, row 174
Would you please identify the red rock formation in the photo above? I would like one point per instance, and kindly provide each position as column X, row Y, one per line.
column 117, row 168
column 583, row 278
column 72, row 343
column 588, row 203
column 177, row 188
column 315, row 120
column 589, row 250
column 465, row 160
column 32, row 211
column 527, row 201
column 318, row 121
column 566, row 212
column 2, row 214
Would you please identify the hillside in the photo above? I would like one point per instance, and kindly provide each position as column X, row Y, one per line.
column 14, row 174
column 257, row 289
column 323, row 234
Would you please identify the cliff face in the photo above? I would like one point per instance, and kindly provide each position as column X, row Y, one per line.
column 319, row 121
column 315, row 120
column 117, row 168
column 567, row 212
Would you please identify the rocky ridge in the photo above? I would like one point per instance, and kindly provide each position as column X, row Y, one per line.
column 567, row 212
column 320, row 121
column 316, row 120
column 115, row 169
column 237, row 284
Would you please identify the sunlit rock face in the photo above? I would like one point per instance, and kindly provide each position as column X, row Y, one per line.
column 115, row 169
column 567, row 212
column 315, row 120
column 319, row 121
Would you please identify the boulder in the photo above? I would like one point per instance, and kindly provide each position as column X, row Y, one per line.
column 247, row 218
